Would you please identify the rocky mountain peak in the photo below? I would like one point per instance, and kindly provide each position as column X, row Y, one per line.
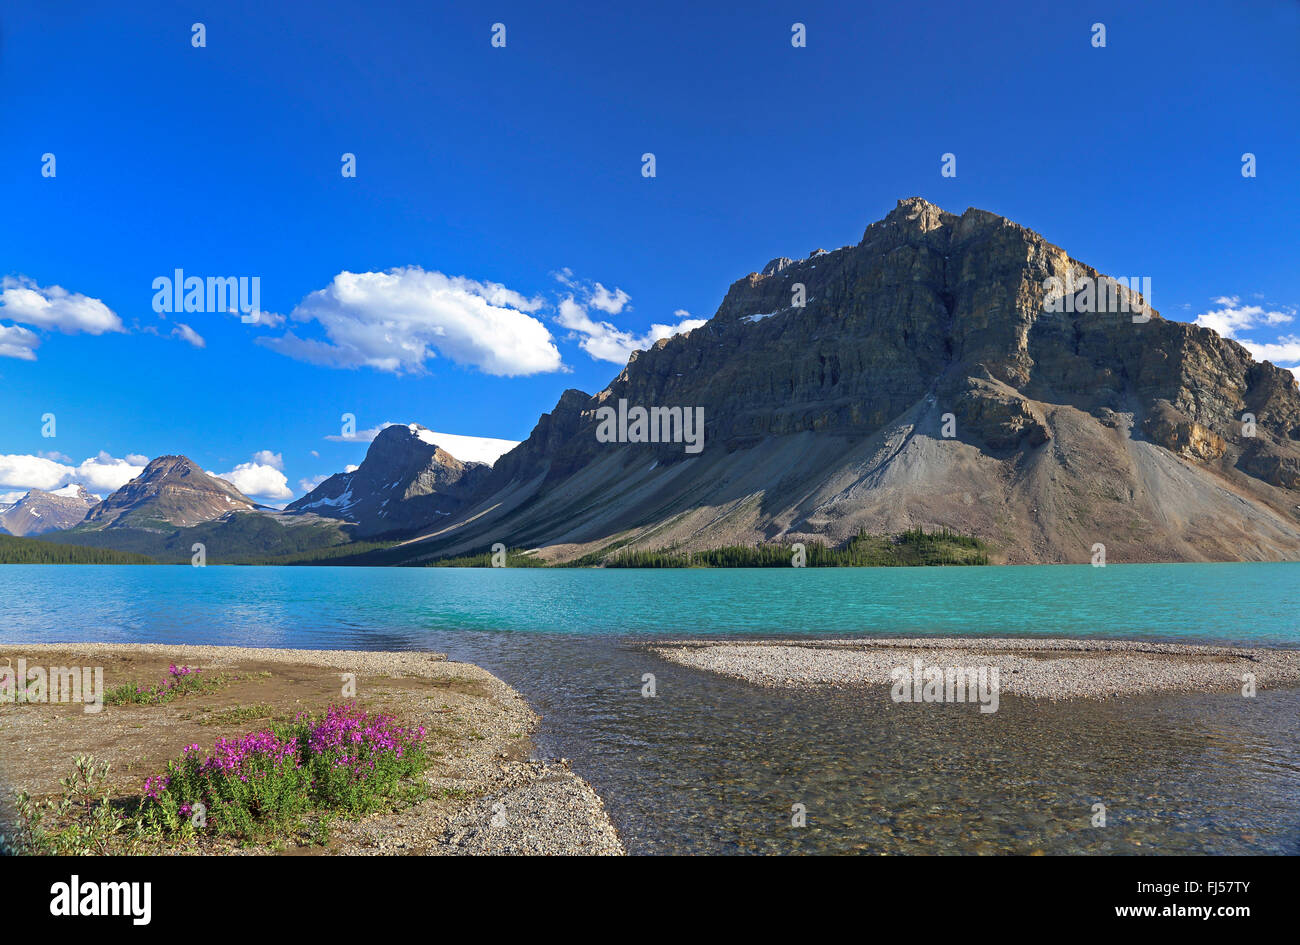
column 406, row 480
column 915, row 213
column 171, row 491
column 826, row 417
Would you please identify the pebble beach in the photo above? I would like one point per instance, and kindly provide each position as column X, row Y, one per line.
column 1037, row 669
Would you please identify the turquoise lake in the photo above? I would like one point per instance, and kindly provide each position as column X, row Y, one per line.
column 398, row 607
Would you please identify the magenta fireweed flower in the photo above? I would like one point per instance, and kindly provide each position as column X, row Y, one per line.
column 154, row 786
column 368, row 736
column 234, row 756
column 262, row 767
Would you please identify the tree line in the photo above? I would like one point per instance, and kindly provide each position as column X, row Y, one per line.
column 14, row 550
column 912, row 548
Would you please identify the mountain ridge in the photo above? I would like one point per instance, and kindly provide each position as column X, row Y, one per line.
column 828, row 419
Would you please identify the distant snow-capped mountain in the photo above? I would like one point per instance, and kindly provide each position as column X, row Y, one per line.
column 39, row 512
column 407, row 480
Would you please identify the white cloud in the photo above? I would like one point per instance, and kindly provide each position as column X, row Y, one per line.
column 397, row 320
column 262, row 319
column 31, row 472
column 9, row 498
column 1284, row 350
column 267, row 458
column 258, row 480
column 306, row 485
column 607, row 302
column 605, row 342
column 601, row 339
column 102, row 473
column 18, row 342
column 23, row 301
column 1232, row 318
column 188, row 335
column 350, row 468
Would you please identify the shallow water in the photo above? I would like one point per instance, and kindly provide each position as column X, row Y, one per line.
column 715, row 765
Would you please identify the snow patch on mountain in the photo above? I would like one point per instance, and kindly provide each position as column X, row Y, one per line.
column 467, row 449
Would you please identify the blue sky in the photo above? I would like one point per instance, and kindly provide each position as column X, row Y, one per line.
column 502, row 242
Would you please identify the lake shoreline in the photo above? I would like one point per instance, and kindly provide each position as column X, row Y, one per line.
column 487, row 793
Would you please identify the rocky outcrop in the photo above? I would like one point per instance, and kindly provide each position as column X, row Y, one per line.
column 826, row 383
column 1267, row 461
column 40, row 512
column 172, row 492
column 405, row 481
column 998, row 416
column 1173, row 430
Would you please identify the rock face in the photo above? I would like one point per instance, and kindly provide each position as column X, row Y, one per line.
column 926, row 381
column 1175, row 431
column 171, row 492
column 406, row 481
column 39, row 512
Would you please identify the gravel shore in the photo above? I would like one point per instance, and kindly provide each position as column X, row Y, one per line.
column 487, row 795
column 1039, row 669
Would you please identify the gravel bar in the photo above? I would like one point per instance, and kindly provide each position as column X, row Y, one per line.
column 1039, row 669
